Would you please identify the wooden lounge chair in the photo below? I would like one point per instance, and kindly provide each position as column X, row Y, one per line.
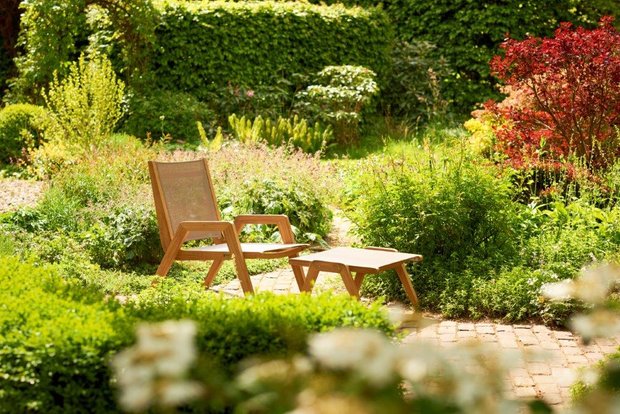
column 187, row 210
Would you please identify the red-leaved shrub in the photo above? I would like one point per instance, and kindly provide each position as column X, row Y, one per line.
column 569, row 89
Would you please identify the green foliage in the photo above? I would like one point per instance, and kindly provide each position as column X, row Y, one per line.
column 49, row 32
column 103, row 202
column 87, row 104
column 569, row 236
column 54, row 33
column 22, row 127
column 284, row 131
column 468, row 33
column 162, row 113
column 127, row 236
column 339, row 98
column 55, row 339
column 248, row 44
column 309, row 216
column 230, row 330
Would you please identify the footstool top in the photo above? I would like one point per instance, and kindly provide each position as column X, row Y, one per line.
column 358, row 259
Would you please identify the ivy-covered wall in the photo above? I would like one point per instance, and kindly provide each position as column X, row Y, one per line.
column 204, row 45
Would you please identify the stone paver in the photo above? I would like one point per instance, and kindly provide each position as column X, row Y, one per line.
column 557, row 355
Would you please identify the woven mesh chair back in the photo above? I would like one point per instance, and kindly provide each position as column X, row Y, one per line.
column 186, row 193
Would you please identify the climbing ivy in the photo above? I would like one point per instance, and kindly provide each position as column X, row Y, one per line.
column 53, row 33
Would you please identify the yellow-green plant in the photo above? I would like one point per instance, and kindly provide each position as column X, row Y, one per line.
column 87, row 104
column 284, row 131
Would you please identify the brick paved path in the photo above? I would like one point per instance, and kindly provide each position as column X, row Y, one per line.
column 551, row 379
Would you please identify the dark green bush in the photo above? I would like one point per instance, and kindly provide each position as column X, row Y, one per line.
column 248, row 44
column 55, row 341
column 161, row 113
column 21, row 128
column 413, row 86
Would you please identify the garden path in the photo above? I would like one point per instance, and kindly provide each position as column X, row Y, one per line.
column 17, row 193
column 563, row 354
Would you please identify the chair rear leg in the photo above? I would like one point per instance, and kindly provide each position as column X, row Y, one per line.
column 215, row 267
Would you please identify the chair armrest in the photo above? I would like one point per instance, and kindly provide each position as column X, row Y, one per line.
column 280, row 220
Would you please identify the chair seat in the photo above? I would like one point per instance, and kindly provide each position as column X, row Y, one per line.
column 249, row 248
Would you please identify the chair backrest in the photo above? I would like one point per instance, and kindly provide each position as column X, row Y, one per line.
column 183, row 191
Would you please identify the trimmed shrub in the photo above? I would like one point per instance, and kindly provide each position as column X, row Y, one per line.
column 55, row 341
column 162, row 113
column 248, row 44
column 21, row 128
column 230, row 330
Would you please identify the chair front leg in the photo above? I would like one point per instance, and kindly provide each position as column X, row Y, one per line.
column 171, row 252
column 232, row 240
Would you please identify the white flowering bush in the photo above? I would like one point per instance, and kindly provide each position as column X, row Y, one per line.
column 598, row 390
column 153, row 371
column 362, row 371
column 346, row 371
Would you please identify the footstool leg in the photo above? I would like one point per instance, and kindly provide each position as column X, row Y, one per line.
column 299, row 276
column 313, row 273
column 359, row 278
column 349, row 283
column 404, row 279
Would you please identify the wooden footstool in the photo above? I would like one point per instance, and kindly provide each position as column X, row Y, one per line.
column 345, row 260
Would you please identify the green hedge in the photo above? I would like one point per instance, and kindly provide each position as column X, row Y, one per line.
column 203, row 46
column 230, row 330
column 56, row 338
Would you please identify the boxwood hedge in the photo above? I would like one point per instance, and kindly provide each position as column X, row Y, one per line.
column 206, row 45
column 56, row 337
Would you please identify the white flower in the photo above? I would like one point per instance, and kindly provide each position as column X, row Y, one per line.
column 276, row 370
column 367, row 352
column 179, row 392
column 601, row 323
column 594, row 284
column 558, row 291
column 137, row 396
column 151, row 371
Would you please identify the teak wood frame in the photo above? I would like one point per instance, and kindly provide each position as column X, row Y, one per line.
column 172, row 239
